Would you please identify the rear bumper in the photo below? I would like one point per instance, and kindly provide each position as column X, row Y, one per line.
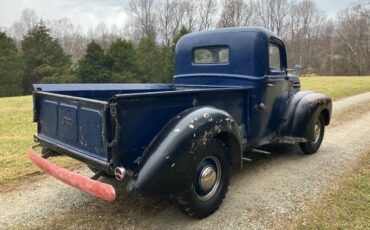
column 95, row 188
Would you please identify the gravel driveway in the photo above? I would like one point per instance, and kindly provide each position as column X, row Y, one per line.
column 269, row 190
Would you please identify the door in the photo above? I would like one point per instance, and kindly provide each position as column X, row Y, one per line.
column 277, row 87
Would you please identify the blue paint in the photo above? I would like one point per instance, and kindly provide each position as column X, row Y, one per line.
column 76, row 123
column 149, row 113
column 101, row 92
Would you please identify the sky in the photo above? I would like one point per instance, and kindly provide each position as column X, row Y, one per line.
column 332, row 6
column 89, row 13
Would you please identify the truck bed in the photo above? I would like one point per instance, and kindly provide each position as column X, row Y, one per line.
column 76, row 119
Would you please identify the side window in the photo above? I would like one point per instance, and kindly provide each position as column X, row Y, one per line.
column 274, row 58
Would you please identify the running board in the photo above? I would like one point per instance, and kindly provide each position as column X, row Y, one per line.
column 260, row 151
column 246, row 159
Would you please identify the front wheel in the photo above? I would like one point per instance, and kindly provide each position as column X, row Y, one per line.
column 210, row 184
column 319, row 130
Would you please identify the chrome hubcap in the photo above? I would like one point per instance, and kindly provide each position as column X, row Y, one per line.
column 208, row 178
column 317, row 131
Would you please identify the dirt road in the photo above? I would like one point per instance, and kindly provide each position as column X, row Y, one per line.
column 268, row 190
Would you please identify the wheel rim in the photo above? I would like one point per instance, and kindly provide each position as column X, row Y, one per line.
column 317, row 131
column 208, row 178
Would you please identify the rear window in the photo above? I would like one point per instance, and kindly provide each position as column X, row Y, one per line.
column 211, row 55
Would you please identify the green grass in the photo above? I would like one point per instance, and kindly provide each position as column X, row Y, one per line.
column 348, row 207
column 337, row 87
column 16, row 136
column 17, row 128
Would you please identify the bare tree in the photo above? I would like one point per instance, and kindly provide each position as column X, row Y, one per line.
column 68, row 35
column 206, row 14
column 190, row 8
column 28, row 20
column 353, row 37
column 305, row 34
column 117, row 32
column 144, row 19
column 341, row 46
column 272, row 13
column 102, row 35
column 17, row 32
column 170, row 17
column 236, row 13
column 363, row 4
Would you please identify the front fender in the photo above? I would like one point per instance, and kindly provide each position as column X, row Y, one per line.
column 169, row 162
column 302, row 112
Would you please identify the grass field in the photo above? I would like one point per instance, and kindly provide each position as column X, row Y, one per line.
column 337, row 87
column 17, row 129
column 348, row 207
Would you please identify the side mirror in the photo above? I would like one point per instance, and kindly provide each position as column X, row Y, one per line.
column 297, row 69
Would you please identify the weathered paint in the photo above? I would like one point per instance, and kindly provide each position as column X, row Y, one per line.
column 158, row 177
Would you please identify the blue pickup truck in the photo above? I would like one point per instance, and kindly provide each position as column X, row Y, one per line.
column 231, row 94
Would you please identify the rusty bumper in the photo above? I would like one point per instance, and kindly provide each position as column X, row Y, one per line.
column 95, row 188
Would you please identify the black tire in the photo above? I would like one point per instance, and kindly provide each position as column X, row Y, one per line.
column 311, row 147
column 197, row 205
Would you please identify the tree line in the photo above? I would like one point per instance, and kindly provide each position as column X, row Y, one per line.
column 34, row 50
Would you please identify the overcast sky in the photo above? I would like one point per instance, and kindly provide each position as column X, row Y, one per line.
column 90, row 13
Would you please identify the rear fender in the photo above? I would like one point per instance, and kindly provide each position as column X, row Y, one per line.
column 302, row 112
column 169, row 162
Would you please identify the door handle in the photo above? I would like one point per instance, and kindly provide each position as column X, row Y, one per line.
column 270, row 85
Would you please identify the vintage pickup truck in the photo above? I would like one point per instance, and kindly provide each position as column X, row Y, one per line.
column 231, row 94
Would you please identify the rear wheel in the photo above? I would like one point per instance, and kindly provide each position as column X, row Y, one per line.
column 210, row 183
column 319, row 130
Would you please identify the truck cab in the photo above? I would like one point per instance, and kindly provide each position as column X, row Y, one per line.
column 231, row 94
column 241, row 57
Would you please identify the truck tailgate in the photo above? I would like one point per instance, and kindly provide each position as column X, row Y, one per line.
column 72, row 123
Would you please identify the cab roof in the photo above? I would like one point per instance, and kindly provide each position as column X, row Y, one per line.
column 248, row 51
column 253, row 29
